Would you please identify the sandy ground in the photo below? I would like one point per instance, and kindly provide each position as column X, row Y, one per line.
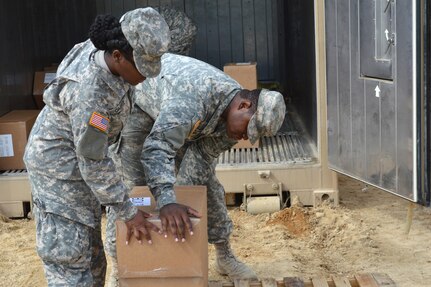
column 366, row 233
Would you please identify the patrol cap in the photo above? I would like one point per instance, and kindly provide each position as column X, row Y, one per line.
column 268, row 117
column 148, row 34
column 182, row 29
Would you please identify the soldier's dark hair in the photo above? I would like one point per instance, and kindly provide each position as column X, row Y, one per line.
column 106, row 34
column 252, row 96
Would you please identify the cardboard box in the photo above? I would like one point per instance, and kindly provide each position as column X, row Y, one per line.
column 15, row 127
column 41, row 80
column 165, row 262
column 244, row 73
column 246, row 144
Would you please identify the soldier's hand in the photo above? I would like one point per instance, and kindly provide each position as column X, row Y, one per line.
column 138, row 225
column 176, row 217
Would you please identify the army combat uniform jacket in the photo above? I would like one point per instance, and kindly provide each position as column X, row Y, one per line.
column 174, row 135
column 86, row 107
column 186, row 102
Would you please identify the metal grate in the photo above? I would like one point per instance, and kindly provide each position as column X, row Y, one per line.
column 287, row 147
column 14, row 172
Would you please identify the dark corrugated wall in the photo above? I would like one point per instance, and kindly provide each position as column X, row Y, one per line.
column 277, row 34
column 426, row 194
column 228, row 30
column 300, row 66
column 35, row 34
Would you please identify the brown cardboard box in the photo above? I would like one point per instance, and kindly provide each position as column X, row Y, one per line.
column 165, row 262
column 246, row 144
column 244, row 73
column 41, row 80
column 15, row 127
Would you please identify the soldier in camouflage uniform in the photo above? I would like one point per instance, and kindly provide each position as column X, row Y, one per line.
column 181, row 122
column 182, row 32
column 66, row 156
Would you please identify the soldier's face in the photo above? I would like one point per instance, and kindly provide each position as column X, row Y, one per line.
column 130, row 74
column 125, row 68
column 237, row 121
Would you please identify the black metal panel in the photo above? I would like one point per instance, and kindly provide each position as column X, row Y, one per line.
column 228, row 30
column 201, row 38
column 36, row 34
column 212, row 35
column 236, row 30
column 300, row 61
column 117, row 8
column 224, row 25
column 261, row 29
column 426, row 192
column 248, row 20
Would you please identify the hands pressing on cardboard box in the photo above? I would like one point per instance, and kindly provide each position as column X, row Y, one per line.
column 139, row 224
column 176, row 218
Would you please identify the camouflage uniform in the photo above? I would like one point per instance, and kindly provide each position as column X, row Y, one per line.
column 182, row 29
column 176, row 117
column 66, row 155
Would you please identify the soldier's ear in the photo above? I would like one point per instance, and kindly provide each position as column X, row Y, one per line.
column 116, row 56
column 244, row 104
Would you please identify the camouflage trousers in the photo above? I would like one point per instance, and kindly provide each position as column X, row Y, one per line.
column 72, row 252
column 193, row 167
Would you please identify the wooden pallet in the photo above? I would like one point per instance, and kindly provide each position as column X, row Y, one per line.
column 360, row 280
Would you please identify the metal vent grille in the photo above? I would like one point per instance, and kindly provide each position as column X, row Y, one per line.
column 14, row 172
column 283, row 148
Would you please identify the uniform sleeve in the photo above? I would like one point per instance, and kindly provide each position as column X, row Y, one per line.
column 90, row 128
column 127, row 155
column 170, row 131
column 210, row 147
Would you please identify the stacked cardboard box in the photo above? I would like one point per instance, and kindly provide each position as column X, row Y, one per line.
column 165, row 262
column 246, row 75
column 41, row 80
column 15, row 128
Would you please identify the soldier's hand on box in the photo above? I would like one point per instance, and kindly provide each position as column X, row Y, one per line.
column 138, row 225
column 176, row 217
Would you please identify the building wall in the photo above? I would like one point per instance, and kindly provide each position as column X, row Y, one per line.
column 266, row 31
column 228, row 30
column 36, row 34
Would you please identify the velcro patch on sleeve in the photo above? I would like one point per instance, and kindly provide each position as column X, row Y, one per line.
column 99, row 122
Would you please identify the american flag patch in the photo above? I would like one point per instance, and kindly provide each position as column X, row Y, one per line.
column 98, row 121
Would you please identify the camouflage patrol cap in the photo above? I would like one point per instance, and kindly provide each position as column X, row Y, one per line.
column 268, row 117
column 182, row 29
column 148, row 34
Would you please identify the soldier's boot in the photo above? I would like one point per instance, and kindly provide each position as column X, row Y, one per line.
column 113, row 276
column 228, row 264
